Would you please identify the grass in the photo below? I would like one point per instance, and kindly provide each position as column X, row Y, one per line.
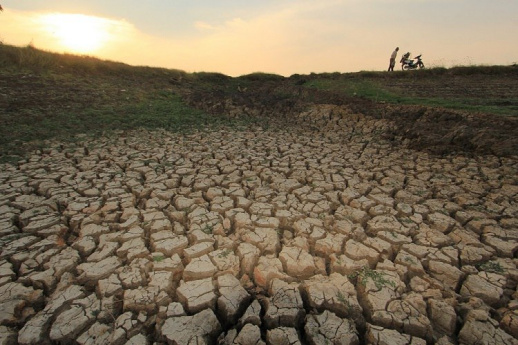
column 378, row 278
column 58, row 96
column 430, row 87
column 158, row 258
column 208, row 228
column 492, row 267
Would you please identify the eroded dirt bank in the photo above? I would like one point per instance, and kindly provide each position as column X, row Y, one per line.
column 430, row 129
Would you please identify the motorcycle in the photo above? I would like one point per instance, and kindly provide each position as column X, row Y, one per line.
column 407, row 63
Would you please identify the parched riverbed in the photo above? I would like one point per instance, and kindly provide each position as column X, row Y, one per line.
column 278, row 236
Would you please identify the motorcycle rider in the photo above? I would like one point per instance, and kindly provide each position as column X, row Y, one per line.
column 393, row 59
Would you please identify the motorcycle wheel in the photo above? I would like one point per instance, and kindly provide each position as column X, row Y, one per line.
column 421, row 65
column 405, row 67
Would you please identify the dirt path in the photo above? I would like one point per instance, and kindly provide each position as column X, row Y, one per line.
column 324, row 233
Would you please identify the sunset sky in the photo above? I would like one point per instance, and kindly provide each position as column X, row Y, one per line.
column 237, row 37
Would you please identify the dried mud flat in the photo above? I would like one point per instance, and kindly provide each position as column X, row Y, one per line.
column 283, row 235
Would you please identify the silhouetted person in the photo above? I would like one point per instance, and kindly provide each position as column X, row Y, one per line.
column 393, row 59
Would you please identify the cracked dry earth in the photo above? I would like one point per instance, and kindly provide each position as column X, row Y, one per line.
column 276, row 236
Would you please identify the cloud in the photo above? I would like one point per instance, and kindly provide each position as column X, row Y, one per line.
column 301, row 36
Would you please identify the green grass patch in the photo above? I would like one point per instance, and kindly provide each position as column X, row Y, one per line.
column 161, row 110
column 378, row 278
column 492, row 267
column 398, row 88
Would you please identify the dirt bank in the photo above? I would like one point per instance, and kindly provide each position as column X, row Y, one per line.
column 431, row 129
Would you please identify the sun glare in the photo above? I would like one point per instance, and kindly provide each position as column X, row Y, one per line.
column 77, row 33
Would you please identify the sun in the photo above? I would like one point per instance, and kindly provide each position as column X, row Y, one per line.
column 77, row 33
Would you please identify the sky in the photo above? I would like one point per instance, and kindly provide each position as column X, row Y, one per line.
column 237, row 37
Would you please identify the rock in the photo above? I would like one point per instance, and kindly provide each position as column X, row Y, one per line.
column 376, row 288
column 300, row 264
column 329, row 328
column 358, row 251
column 93, row 230
column 126, row 326
column 233, row 298
column 432, row 238
column 334, row 293
column 199, row 268
column 132, row 249
column 408, row 315
column 173, row 264
column 225, row 261
column 14, row 300
column 442, row 316
column 267, row 240
column 479, row 286
column 385, row 223
column 449, row 275
column 201, row 328
column 198, row 250
column 377, row 335
column 109, row 286
column 146, row 299
column 132, row 277
column 249, row 335
column 98, row 333
column 7, row 336
column 331, row 244
column 252, row 315
column 170, row 245
column 36, row 328
column 266, row 270
column 91, row 272
column 164, row 280
column 440, row 222
column 197, row 295
column 138, row 339
column 284, row 308
column 509, row 322
column 345, row 265
column 103, row 251
column 282, row 336
column 478, row 328
column 471, row 255
column 248, row 255
column 73, row 321
column 85, row 245
column 412, row 263
column 64, row 261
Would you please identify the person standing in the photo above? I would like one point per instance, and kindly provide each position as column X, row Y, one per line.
column 393, row 59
